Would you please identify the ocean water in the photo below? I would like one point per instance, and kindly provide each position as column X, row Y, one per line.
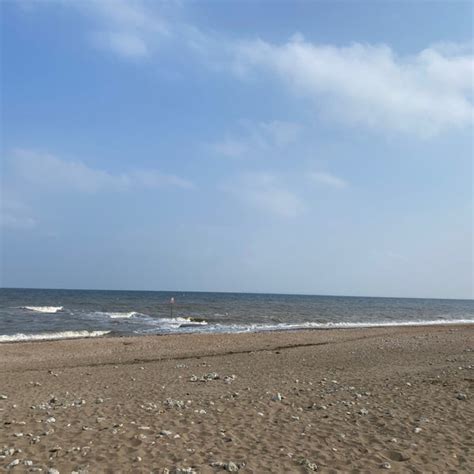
column 27, row 314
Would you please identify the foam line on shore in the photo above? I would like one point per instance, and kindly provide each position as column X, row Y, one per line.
column 20, row 337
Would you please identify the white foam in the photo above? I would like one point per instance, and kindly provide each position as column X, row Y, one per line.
column 44, row 309
column 51, row 336
column 119, row 315
column 177, row 322
column 339, row 325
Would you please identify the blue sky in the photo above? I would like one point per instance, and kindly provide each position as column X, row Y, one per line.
column 289, row 147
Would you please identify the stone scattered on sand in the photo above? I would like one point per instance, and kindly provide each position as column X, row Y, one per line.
column 278, row 397
column 138, row 459
column 184, row 470
column 52, row 470
column 417, row 430
column 14, row 463
column 51, row 419
column 307, row 464
column 229, row 378
column 230, row 466
column 166, row 433
column 171, row 403
column 386, row 465
column 461, row 396
column 3, row 397
column 364, row 411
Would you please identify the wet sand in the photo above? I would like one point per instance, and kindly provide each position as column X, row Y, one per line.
column 359, row 400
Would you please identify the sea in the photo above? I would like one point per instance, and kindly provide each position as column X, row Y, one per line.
column 29, row 314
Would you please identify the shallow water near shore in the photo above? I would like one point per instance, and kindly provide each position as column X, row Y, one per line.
column 27, row 314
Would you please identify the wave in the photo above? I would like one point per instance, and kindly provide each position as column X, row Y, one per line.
column 176, row 326
column 43, row 309
column 338, row 325
column 117, row 314
column 182, row 322
column 51, row 336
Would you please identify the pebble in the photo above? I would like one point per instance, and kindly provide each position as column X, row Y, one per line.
column 169, row 402
column 51, row 470
column 3, row 397
column 306, row 463
column 278, row 397
column 417, row 430
column 228, row 466
column 364, row 411
column 232, row 467
column 14, row 463
column 461, row 396
column 51, row 419
column 386, row 465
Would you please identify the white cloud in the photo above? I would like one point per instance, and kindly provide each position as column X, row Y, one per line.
column 370, row 85
column 327, row 179
column 262, row 191
column 124, row 44
column 128, row 29
column 230, row 147
column 258, row 137
column 50, row 172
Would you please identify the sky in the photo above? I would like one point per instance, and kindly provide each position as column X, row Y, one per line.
column 285, row 147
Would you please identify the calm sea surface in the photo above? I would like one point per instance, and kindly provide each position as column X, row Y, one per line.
column 54, row 314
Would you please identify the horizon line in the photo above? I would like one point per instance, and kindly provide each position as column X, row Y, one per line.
column 238, row 292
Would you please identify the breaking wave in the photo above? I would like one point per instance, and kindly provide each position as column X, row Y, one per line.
column 51, row 336
column 44, row 309
column 182, row 322
column 118, row 314
column 329, row 325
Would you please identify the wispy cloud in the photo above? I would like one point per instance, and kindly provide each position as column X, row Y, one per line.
column 50, row 172
column 230, row 147
column 264, row 192
column 124, row 44
column 369, row 85
column 258, row 137
column 128, row 29
column 15, row 214
column 327, row 179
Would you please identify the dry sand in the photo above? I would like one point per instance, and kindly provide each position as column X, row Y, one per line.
column 352, row 400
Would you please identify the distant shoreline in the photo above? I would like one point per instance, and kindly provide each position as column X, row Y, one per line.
column 43, row 337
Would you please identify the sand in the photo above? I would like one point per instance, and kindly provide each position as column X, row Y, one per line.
column 337, row 401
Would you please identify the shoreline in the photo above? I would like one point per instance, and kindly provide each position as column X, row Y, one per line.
column 44, row 336
column 281, row 401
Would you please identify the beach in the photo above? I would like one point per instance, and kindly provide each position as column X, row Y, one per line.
column 345, row 400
